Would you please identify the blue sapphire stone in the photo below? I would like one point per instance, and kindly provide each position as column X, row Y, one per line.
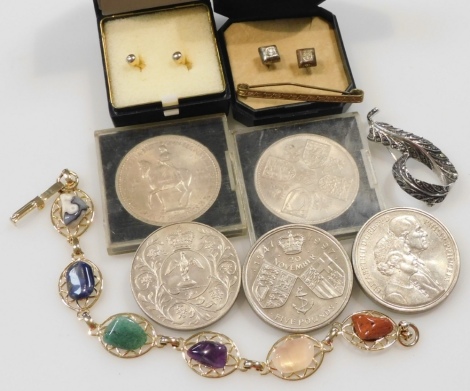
column 80, row 280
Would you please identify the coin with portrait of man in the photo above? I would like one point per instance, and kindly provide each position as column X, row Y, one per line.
column 406, row 260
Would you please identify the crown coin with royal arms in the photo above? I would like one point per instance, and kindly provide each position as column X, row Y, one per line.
column 297, row 278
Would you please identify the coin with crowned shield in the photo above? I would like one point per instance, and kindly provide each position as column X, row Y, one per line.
column 186, row 276
column 306, row 179
column 297, row 278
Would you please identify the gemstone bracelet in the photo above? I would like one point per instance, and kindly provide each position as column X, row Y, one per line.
column 210, row 354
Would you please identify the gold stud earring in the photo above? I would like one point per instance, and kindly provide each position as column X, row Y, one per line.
column 135, row 61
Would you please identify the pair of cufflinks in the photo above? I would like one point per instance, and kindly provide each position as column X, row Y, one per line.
column 306, row 57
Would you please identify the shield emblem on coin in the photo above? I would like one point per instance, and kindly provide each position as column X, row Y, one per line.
column 279, row 169
column 273, row 286
column 297, row 203
column 335, row 186
column 325, row 278
column 315, row 154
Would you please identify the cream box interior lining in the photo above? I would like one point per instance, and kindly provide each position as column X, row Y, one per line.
column 153, row 37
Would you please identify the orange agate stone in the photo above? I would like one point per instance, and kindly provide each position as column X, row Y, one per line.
column 371, row 328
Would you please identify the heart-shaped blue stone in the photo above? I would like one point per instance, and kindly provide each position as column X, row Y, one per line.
column 72, row 219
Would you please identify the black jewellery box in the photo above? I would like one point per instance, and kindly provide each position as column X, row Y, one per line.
column 289, row 25
column 161, row 60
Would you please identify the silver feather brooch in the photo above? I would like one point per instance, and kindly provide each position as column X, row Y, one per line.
column 414, row 147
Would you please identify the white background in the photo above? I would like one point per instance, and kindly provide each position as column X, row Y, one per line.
column 412, row 60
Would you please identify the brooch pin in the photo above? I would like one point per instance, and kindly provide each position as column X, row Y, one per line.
column 245, row 90
column 418, row 148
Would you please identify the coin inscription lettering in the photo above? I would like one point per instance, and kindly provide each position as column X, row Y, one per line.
column 185, row 276
column 306, row 178
column 168, row 179
column 297, row 278
column 406, row 259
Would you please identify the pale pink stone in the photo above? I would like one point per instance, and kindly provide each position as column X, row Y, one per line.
column 293, row 355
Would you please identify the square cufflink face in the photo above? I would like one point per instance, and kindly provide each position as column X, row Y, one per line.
column 306, row 58
column 269, row 54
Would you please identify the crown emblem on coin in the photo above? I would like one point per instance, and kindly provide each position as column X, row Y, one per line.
column 291, row 244
column 181, row 239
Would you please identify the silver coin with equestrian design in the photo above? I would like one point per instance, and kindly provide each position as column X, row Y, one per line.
column 186, row 276
column 406, row 260
column 168, row 179
column 297, row 278
column 307, row 179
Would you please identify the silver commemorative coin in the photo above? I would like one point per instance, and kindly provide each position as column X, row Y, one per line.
column 306, row 178
column 168, row 179
column 406, row 260
column 185, row 276
column 297, row 278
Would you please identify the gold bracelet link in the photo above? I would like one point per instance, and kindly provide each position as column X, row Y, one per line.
column 77, row 252
column 177, row 343
column 92, row 325
column 327, row 343
column 408, row 334
column 69, row 179
column 245, row 364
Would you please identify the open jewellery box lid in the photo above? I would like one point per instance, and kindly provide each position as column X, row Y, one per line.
column 109, row 7
column 264, row 9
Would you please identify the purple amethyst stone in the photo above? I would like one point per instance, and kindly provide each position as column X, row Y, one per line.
column 209, row 353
